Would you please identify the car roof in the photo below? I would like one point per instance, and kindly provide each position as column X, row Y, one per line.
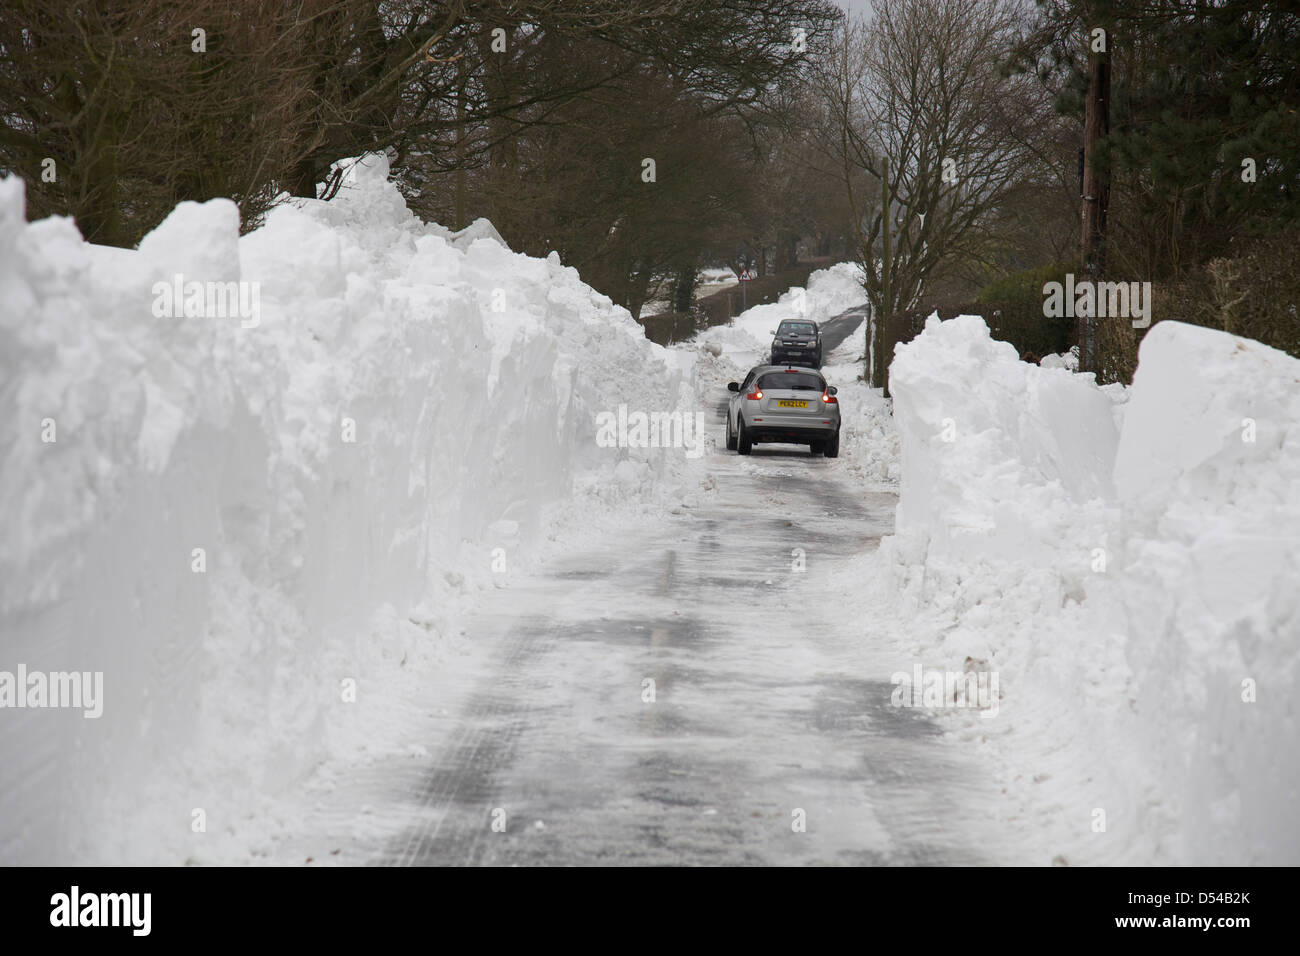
column 800, row 321
column 759, row 369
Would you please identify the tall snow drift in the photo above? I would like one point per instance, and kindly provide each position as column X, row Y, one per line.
column 1135, row 585
column 234, row 519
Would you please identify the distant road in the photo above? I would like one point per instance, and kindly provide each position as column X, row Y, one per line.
column 836, row 330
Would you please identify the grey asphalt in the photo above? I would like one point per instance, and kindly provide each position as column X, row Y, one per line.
column 836, row 330
column 767, row 710
column 687, row 689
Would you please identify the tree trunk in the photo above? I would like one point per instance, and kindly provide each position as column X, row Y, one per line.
column 684, row 288
column 787, row 255
column 461, row 80
column 302, row 179
column 880, row 355
column 1096, row 193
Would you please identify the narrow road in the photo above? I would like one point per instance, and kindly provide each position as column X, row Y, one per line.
column 688, row 692
column 765, row 711
column 836, row 330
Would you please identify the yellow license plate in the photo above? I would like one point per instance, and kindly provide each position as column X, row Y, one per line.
column 791, row 403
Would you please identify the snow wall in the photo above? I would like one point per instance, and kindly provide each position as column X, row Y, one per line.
column 405, row 402
column 1130, row 561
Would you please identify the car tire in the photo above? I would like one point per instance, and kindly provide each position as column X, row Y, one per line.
column 743, row 445
column 832, row 447
column 731, row 438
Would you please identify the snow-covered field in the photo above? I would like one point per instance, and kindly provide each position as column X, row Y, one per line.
column 711, row 280
column 265, row 531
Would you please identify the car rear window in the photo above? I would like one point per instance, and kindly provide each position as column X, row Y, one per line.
column 799, row 380
column 801, row 327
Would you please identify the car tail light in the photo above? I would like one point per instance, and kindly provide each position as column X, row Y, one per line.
column 755, row 394
column 829, row 399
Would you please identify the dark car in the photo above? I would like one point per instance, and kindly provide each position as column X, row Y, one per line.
column 797, row 342
column 784, row 404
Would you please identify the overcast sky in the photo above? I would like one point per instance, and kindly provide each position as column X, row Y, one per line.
column 855, row 6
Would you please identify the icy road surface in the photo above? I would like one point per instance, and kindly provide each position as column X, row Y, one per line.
column 759, row 709
column 765, row 711
column 835, row 331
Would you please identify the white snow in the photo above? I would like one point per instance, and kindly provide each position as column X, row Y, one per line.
column 1125, row 559
column 1067, row 360
column 470, row 378
column 748, row 339
column 717, row 275
column 711, row 280
column 724, row 353
column 1127, row 563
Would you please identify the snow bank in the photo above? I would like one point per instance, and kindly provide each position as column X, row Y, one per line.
column 235, row 517
column 996, row 452
column 1066, row 360
column 829, row 292
column 1127, row 562
column 868, row 439
column 1208, row 593
column 717, row 276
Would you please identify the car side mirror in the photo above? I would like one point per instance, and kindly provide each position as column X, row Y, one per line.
column 832, row 390
column 733, row 386
column 771, row 331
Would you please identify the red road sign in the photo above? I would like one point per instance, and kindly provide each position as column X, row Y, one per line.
column 746, row 275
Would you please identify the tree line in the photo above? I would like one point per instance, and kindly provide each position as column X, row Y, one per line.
column 1151, row 140
column 539, row 114
column 943, row 144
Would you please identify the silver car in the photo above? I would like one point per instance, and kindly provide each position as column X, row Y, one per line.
column 778, row 403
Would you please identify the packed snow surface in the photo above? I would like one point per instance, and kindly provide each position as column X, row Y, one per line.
column 257, row 528
column 263, row 527
column 1127, row 560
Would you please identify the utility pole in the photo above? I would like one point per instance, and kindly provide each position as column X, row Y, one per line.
column 1096, row 186
column 886, row 266
column 461, row 80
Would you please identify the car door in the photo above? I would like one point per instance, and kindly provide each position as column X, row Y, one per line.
column 733, row 409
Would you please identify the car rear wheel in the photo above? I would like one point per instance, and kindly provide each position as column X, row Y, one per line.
column 832, row 447
column 743, row 445
column 731, row 437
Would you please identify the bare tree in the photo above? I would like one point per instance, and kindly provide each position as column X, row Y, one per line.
column 923, row 106
column 135, row 117
column 115, row 112
column 457, row 80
